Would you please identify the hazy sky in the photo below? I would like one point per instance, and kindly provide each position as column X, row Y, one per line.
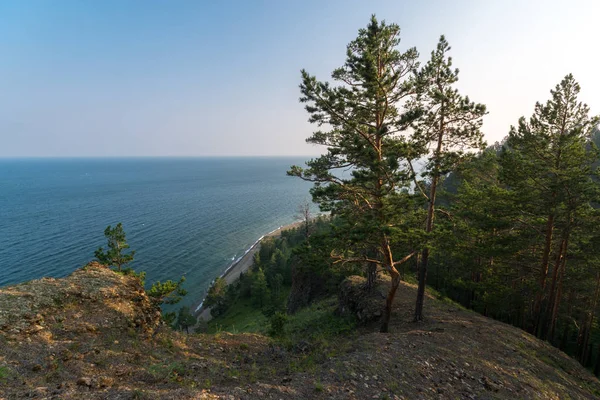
column 146, row 78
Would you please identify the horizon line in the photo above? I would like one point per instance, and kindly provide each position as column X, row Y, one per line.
column 154, row 156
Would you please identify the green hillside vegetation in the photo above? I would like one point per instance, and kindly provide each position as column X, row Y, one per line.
column 512, row 235
column 508, row 230
column 261, row 294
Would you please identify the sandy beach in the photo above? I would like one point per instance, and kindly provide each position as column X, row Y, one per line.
column 233, row 272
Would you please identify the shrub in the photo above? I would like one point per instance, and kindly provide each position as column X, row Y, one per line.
column 278, row 322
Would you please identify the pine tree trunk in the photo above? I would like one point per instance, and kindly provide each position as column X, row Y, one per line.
column 589, row 323
column 582, row 340
column 537, row 309
column 428, row 229
column 597, row 366
column 553, row 298
column 565, row 338
column 588, row 356
column 524, row 318
column 421, row 288
column 580, row 335
column 385, row 324
column 557, row 299
column 371, row 276
column 391, row 267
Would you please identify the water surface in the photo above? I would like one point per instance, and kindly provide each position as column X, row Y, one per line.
column 183, row 216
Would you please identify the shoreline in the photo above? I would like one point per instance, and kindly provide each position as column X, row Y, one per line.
column 239, row 266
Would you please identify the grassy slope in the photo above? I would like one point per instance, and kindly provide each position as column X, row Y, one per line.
column 454, row 354
column 243, row 316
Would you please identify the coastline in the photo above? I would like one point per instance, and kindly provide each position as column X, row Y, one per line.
column 240, row 265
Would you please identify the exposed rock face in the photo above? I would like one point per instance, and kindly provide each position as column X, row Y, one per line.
column 108, row 300
column 70, row 335
column 355, row 298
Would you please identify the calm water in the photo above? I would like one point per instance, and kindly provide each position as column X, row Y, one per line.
column 183, row 216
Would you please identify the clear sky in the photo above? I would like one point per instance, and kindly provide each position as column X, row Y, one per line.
column 177, row 78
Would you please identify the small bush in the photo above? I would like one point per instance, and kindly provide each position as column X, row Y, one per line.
column 319, row 387
column 278, row 322
column 5, row 373
column 130, row 272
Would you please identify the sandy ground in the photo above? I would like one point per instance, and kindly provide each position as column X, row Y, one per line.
column 243, row 265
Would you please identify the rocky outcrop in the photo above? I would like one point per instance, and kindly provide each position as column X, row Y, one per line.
column 355, row 298
column 92, row 299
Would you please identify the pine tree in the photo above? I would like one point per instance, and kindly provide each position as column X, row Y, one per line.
column 168, row 292
column 216, row 298
column 365, row 123
column 260, row 290
column 276, row 288
column 495, row 239
column 117, row 243
column 451, row 126
column 547, row 163
column 185, row 319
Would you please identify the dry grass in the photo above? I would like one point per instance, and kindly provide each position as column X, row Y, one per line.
column 95, row 335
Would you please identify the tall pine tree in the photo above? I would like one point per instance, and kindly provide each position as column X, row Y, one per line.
column 449, row 127
column 364, row 122
column 547, row 164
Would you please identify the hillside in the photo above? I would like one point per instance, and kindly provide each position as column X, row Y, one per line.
column 96, row 335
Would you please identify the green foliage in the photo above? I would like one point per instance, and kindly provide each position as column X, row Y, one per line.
column 260, row 290
column 169, row 292
column 450, row 124
column 319, row 387
column 313, row 257
column 5, row 373
column 277, row 324
column 217, row 297
column 185, row 319
column 241, row 316
column 276, row 288
column 521, row 243
column 130, row 272
column 172, row 371
column 267, row 248
column 117, row 244
column 169, row 318
column 318, row 322
column 248, row 304
column 546, row 160
column 366, row 136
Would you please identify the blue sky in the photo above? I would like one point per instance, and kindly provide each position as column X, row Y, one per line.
column 177, row 78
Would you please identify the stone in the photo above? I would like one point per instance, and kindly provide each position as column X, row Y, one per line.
column 84, row 381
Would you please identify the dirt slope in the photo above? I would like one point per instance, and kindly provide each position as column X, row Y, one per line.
column 95, row 335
